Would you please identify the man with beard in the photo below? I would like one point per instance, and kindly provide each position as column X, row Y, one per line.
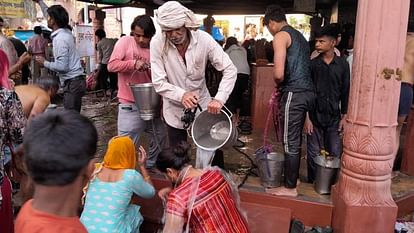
column 179, row 58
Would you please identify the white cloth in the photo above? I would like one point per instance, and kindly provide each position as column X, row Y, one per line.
column 350, row 60
column 172, row 77
column 172, row 15
column 238, row 56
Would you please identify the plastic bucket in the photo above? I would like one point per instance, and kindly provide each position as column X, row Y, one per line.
column 146, row 100
column 271, row 169
column 213, row 131
column 326, row 173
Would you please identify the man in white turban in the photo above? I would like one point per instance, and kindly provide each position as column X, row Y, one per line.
column 179, row 58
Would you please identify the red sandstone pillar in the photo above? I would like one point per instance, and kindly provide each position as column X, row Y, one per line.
column 362, row 197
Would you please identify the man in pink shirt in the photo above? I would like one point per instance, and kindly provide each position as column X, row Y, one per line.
column 37, row 47
column 131, row 60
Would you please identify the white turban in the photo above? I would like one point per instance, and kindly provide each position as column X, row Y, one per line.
column 172, row 15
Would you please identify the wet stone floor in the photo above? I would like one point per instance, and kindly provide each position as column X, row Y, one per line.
column 103, row 112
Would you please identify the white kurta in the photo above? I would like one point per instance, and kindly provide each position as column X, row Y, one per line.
column 172, row 77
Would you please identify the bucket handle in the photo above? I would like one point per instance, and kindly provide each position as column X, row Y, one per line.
column 224, row 106
column 130, row 77
column 228, row 111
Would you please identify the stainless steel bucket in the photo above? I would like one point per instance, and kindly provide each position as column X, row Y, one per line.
column 326, row 173
column 146, row 100
column 271, row 169
column 213, row 131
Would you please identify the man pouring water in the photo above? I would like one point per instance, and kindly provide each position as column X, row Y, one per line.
column 179, row 58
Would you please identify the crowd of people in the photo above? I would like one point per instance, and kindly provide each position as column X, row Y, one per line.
column 74, row 192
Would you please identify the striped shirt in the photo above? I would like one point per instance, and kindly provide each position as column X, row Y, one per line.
column 214, row 209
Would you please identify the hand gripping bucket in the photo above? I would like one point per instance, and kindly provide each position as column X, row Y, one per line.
column 213, row 131
column 146, row 100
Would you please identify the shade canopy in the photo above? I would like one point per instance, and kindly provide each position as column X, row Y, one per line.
column 232, row 6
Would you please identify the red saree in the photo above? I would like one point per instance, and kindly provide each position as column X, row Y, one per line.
column 214, row 208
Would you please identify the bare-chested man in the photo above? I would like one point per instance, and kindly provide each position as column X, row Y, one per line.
column 36, row 98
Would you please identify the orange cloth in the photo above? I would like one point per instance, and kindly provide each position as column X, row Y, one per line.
column 30, row 220
column 120, row 153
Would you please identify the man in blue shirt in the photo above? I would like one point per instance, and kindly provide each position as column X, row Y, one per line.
column 66, row 58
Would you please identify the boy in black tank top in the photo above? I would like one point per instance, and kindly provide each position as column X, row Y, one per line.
column 293, row 78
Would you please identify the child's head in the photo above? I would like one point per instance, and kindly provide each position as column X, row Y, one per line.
column 58, row 146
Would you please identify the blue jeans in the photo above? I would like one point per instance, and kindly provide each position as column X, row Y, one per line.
column 327, row 138
column 131, row 124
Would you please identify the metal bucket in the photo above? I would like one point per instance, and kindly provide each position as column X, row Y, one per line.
column 271, row 169
column 326, row 173
column 146, row 100
column 213, row 131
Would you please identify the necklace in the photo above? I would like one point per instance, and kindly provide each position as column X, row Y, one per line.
column 182, row 175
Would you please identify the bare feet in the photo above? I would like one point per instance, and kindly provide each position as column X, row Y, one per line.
column 283, row 191
column 394, row 174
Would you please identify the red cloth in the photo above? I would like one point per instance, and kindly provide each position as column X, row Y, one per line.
column 6, row 211
column 4, row 70
column 274, row 114
column 277, row 118
column 214, row 208
column 30, row 220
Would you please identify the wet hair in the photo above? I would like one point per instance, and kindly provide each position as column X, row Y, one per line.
column 57, row 146
column 48, row 83
column 230, row 41
column 145, row 23
column 175, row 158
column 275, row 13
column 59, row 14
column 100, row 33
column 37, row 30
column 327, row 30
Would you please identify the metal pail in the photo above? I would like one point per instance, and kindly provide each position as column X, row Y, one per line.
column 271, row 169
column 326, row 173
column 146, row 100
column 213, row 131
